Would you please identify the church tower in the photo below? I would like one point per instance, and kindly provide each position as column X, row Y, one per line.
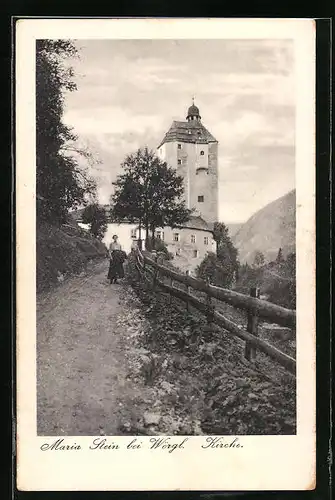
column 192, row 150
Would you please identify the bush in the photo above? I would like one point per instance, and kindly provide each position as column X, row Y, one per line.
column 159, row 246
column 276, row 280
column 214, row 269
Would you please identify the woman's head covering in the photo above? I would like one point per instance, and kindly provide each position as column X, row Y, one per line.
column 115, row 236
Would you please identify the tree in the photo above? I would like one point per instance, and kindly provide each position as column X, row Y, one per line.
column 212, row 268
column 291, row 264
column 61, row 181
column 221, row 269
column 149, row 193
column 280, row 259
column 95, row 216
column 259, row 259
column 226, row 252
column 160, row 247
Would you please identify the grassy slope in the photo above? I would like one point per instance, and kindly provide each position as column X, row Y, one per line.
column 211, row 385
column 63, row 251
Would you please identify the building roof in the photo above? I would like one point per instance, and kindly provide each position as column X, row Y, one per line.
column 193, row 111
column 192, row 131
column 197, row 222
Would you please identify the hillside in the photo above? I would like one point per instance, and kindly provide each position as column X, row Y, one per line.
column 269, row 229
column 233, row 228
column 63, row 251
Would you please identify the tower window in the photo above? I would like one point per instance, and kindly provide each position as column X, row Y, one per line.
column 133, row 233
column 179, row 162
column 175, row 236
column 179, row 146
column 202, row 153
column 206, row 240
column 192, row 238
column 195, row 253
column 200, row 199
column 160, row 235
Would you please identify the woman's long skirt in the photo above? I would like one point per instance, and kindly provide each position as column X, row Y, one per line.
column 115, row 269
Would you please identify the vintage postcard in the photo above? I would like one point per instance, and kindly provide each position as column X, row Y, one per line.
column 165, row 202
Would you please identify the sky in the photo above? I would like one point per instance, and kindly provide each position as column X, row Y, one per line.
column 130, row 91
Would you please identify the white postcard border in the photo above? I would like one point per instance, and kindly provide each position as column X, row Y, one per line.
column 264, row 462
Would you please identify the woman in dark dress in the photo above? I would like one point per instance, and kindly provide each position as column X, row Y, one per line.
column 117, row 258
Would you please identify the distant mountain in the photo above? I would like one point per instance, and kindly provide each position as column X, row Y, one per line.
column 233, row 228
column 269, row 229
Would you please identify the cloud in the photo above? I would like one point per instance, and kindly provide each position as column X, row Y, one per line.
column 130, row 91
column 108, row 120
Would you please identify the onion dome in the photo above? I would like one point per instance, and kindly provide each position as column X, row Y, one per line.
column 193, row 113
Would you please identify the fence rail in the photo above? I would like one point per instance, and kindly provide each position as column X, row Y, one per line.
column 255, row 308
column 264, row 309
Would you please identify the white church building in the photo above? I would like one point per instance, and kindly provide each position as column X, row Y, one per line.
column 193, row 151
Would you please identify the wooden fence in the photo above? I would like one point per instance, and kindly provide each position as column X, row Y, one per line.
column 256, row 308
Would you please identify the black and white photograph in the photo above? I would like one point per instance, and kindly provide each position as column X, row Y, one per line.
column 166, row 241
column 162, row 160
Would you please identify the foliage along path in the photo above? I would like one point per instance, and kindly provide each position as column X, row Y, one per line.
column 116, row 360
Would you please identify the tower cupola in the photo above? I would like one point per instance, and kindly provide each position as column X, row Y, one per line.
column 193, row 113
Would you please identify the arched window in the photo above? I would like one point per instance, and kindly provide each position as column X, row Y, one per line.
column 202, row 153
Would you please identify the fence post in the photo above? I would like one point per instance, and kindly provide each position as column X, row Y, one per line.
column 210, row 307
column 252, row 327
column 170, row 296
column 187, row 291
column 154, row 279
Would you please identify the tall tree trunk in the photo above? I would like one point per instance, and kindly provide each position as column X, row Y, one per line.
column 147, row 236
column 139, row 242
column 153, row 236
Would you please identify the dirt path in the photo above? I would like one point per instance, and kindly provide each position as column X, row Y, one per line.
column 83, row 357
